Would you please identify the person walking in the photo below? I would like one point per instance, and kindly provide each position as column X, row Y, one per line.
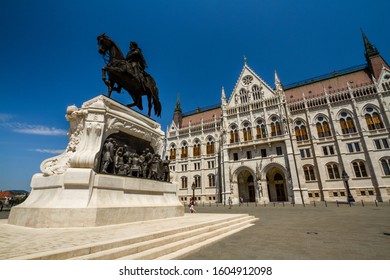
column 230, row 202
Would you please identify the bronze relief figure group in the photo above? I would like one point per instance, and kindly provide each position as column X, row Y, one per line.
column 118, row 160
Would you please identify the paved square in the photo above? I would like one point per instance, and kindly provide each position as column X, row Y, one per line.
column 305, row 233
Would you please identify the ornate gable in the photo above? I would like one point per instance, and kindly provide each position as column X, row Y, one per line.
column 249, row 87
column 384, row 77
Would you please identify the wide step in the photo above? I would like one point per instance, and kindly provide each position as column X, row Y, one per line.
column 160, row 246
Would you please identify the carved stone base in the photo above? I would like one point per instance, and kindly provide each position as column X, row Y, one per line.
column 82, row 198
column 71, row 193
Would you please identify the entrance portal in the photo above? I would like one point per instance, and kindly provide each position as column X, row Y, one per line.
column 276, row 186
column 246, row 186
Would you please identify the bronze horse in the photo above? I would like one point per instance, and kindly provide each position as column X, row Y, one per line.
column 120, row 75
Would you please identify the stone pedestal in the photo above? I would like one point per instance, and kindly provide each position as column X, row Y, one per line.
column 70, row 192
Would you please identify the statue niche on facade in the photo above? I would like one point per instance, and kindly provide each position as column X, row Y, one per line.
column 128, row 73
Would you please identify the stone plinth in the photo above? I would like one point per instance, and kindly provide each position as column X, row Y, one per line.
column 71, row 193
column 83, row 198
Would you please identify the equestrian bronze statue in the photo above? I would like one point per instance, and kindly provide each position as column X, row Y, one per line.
column 128, row 73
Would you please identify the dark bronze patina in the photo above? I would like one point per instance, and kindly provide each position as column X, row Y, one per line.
column 126, row 155
column 128, row 73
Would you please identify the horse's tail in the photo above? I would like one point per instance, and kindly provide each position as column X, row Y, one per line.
column 156, row 102
column 153, row 91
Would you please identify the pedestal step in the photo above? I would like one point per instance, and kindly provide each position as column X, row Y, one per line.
column 174, row 243
column 159, row 239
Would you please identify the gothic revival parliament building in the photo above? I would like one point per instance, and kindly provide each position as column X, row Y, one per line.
column 326, row 139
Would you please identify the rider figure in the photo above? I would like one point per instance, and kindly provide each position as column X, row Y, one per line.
column 137, row 62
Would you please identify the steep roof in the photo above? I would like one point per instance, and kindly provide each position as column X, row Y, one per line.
column 331, row 83
column 206, row 114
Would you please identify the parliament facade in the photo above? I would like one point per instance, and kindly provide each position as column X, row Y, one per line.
column 326, row 139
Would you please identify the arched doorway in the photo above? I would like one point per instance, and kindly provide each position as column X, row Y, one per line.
column 246, row 186
column 276, row 183
column 279, row 186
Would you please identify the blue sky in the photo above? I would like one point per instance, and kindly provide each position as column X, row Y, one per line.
column 49, row 57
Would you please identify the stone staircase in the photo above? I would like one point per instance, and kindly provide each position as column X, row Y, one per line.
column 163, row 245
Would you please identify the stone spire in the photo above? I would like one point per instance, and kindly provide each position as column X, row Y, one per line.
column 178, row 106
column 278, row 84
column 369, row 49
column 178, row 113
column 374, row 60
column 223, row 97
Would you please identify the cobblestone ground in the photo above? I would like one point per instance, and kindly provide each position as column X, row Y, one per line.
column 318, row 232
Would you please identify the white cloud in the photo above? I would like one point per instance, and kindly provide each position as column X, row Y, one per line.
column 48, row 151
column 30, row 128
column 38, row 130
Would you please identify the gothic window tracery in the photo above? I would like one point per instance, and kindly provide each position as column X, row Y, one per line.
column 256, row 92
column 247, row 132
column 261, row 130
column 172, row 152
column 210, row 148
column 243, row 96
column 373, row 119
column 196, row 149
column 234, row 134
column 300, row 131
column 347, row 123
column 184, row 150
column 323, row 128
column 275, row 127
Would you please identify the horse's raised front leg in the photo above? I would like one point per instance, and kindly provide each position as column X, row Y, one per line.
column 106, row 81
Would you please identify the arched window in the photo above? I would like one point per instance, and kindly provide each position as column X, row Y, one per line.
column 196, row 149
column 275, row 127
column 309, row 173
column 247, row 132
column 211, row 180
column 359, row 168
column 261, row 130
column 277, row 177
column 243, row 96
column 300, row 131
column 172, row 152
column 184, row 150
column 234, row 134
column 256, row 92
column 323, row 129
column 333, row 171
column 184, row 182
column 385, row 162
column 210, row 148
column 373, row 119
column 197, row 181
column 347, row 124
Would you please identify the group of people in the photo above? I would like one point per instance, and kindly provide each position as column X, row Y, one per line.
column 118, row 160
